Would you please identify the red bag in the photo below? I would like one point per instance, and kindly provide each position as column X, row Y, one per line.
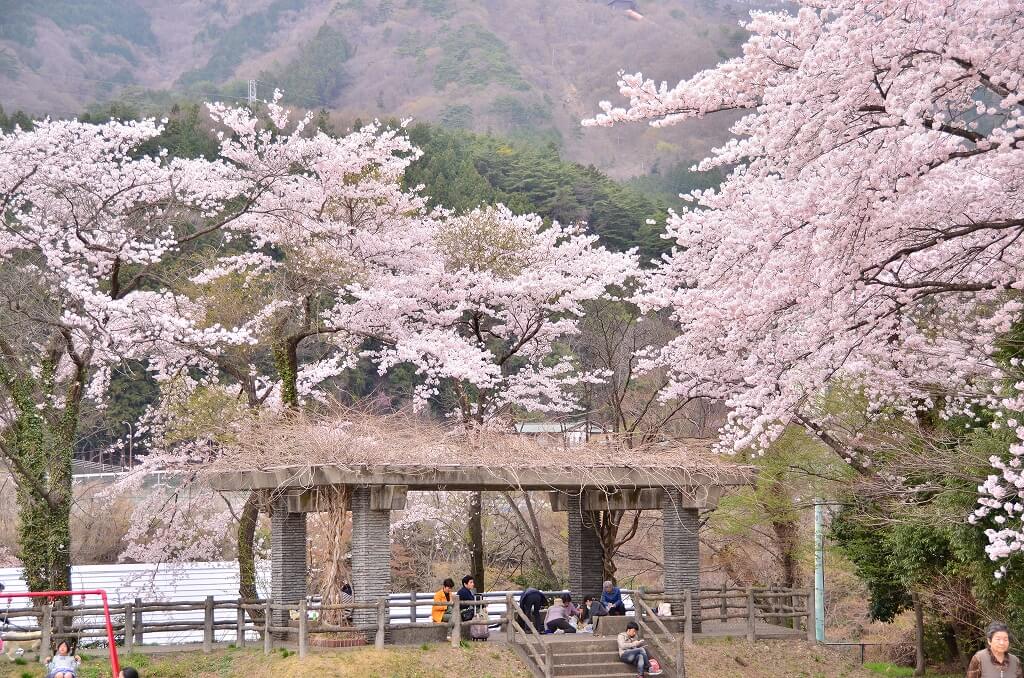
column 655, row 667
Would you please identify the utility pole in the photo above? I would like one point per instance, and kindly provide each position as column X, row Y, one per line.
column 819, row 570
column 252, row 92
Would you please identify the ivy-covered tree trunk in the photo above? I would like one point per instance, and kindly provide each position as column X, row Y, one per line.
column 38, row 445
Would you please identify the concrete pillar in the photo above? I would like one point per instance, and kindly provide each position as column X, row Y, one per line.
column 585, row 568
column 288, row 567
column 371, row 554
column 681, row 551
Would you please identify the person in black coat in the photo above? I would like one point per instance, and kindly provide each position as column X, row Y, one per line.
column 466, row 593
column 532, row 602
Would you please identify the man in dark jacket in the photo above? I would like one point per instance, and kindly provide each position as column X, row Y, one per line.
column 532, row 601
column 466, row 593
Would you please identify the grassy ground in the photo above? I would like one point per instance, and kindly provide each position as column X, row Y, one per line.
column 706, row 660
column 484, row 661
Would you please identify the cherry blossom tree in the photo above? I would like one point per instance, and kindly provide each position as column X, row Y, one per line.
column 335, row 219
column 85, row 225
column 869, row 232
column 485, row 325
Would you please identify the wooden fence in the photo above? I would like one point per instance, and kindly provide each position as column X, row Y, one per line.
column 241, row 621
column 788, row 612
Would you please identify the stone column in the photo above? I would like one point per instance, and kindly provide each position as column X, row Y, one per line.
column 288, row 568
column 585, row 552
column 681, row 551
column 371, row 554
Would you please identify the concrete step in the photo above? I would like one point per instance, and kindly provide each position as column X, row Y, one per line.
column 615, row 668
column 584, row 642
column 578, row 658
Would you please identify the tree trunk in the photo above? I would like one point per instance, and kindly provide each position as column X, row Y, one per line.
column 531, row 530
column 785, row 530
column 476, row 538
column 334, row 572
column 919, row 665
column 608, row 532
column 286, row 364
column 247, row 522
column 40, row 445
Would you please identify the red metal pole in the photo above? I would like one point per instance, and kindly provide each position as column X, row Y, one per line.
column 114, row 661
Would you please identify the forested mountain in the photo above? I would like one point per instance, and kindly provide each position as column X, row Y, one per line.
column 528, row 69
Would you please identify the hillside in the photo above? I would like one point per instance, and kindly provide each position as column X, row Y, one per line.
column 521, row 68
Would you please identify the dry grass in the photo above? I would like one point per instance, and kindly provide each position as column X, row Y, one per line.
column 707, row 660
column 436, row 661
column 775, row 659
column 353, row 438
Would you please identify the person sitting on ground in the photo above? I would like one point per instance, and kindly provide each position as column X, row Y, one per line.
column 466, row 593
column 559, row 613
column 444, row 596
column 611, row 597
column 63, row 664
column 583, row 612
column 995, row 660
column 632, row 650
column 532, row 601
column 128, row 672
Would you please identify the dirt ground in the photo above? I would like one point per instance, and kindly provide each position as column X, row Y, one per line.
column 718, row 659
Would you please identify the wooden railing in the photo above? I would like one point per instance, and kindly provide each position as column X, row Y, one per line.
column 771, row 605
column 233, row 620
column 521, row 632
column 52, row 622
column 667, row 643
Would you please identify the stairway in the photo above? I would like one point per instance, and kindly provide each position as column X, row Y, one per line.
column 590, row 657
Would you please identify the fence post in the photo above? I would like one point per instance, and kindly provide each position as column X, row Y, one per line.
column 382, row 610
column 268, row 640
column 240, row 624
column 57, row 619
column 129, row 632
column 139, row 627
column 751, row 628
column 208, row 625
column 509, row 619
column 412, row 607
column 549, row 661
column 456, row 621
column 688, row 613
column 811, row 637
column 303, row 630
column 45, row 630
column 724, row 608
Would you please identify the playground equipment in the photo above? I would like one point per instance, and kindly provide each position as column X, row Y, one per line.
column 50, row 595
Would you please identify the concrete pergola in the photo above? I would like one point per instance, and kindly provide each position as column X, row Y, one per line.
column 679, row 493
